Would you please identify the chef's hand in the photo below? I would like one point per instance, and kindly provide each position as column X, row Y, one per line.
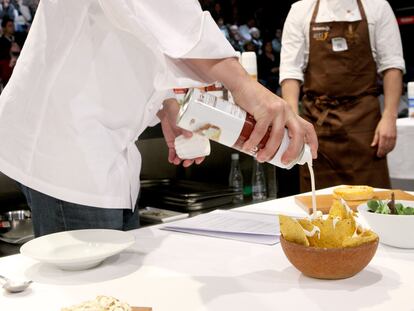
column 267, row 109
column 168, row 116
column 270, row 110
column 385, row 135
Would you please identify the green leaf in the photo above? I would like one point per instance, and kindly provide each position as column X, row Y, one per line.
column 383, row 208
column 399, row 208
column 408, row 211
column 380, row 207
column 373, row 205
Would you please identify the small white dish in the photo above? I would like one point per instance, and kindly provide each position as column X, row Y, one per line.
column 393, row 230
column 77, row 249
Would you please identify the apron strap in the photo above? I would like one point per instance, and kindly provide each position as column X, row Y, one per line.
column 361, row 10
column 315, row 11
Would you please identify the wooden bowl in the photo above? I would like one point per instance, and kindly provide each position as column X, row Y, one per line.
column 329, row 263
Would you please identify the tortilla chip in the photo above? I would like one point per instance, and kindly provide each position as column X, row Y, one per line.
column 306, row 224
column 365, row 237
column 292, row 231
column 332, row 232
column 339, row 210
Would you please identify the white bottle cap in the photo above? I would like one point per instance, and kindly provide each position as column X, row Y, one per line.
column 249, row 63
column 306, row 156
column 193, row 147
column 410, row 89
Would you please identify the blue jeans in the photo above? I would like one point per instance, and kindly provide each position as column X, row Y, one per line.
column 50, row 215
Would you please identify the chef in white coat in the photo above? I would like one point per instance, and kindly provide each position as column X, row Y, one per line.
column 92, row 76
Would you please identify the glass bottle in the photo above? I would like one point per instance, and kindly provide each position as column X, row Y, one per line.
column 236, row 178
column 259, row 191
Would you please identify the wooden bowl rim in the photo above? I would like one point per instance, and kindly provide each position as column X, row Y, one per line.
column 330, row 249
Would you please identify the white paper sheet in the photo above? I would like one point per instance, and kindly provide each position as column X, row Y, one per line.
column 283, row 206
column 241, row 226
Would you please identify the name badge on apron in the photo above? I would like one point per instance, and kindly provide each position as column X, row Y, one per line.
column 339, row 44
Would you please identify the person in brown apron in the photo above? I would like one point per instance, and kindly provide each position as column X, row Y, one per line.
column 341, row 101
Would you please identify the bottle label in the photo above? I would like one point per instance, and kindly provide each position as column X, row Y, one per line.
column 218, row 119
column 225, row 123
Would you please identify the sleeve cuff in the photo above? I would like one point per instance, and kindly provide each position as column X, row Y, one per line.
column 210, row 44
column 385, row 66
column 292, row 76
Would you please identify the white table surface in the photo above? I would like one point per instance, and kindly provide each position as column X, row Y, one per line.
column 401, row 159
column 175, row 271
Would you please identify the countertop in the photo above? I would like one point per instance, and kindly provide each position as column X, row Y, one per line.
column 7, row 249
column 177, row 271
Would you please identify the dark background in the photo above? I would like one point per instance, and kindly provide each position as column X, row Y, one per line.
column 270, row 15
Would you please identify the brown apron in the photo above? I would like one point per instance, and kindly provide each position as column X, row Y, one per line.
column 341, row 101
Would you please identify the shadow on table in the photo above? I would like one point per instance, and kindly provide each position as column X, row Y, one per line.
column 369, row 288
column 112, row 268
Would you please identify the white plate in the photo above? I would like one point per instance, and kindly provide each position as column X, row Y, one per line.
column 394, row 230
column 78, row 249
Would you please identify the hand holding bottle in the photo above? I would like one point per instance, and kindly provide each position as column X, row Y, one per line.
column 268, row 110
column 168, row 115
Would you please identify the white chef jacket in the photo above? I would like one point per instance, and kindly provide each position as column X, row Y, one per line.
column 91, row 77
column 384, row 34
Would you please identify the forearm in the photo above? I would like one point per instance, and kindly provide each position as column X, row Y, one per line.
column 392, row 92
column 229, row 72
column 291, row 92
column 386, row 132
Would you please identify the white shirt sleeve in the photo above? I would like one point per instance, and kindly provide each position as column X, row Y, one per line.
column 169, row 94
column 175, row 30
column 178, row 28
column 294, row 51
column 388, row 41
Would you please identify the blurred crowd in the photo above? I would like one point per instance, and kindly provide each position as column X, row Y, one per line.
column 245, row 34
column 15, row 17
column 246, row 30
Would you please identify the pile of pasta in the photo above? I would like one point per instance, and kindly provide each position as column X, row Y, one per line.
column 100, row 303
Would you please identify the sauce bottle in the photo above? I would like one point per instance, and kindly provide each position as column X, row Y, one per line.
column 228, row 124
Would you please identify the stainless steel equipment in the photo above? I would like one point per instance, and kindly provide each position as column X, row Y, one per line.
column 17, row 227
column 184, row 195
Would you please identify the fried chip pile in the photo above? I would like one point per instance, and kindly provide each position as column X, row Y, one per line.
column 338, row 229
